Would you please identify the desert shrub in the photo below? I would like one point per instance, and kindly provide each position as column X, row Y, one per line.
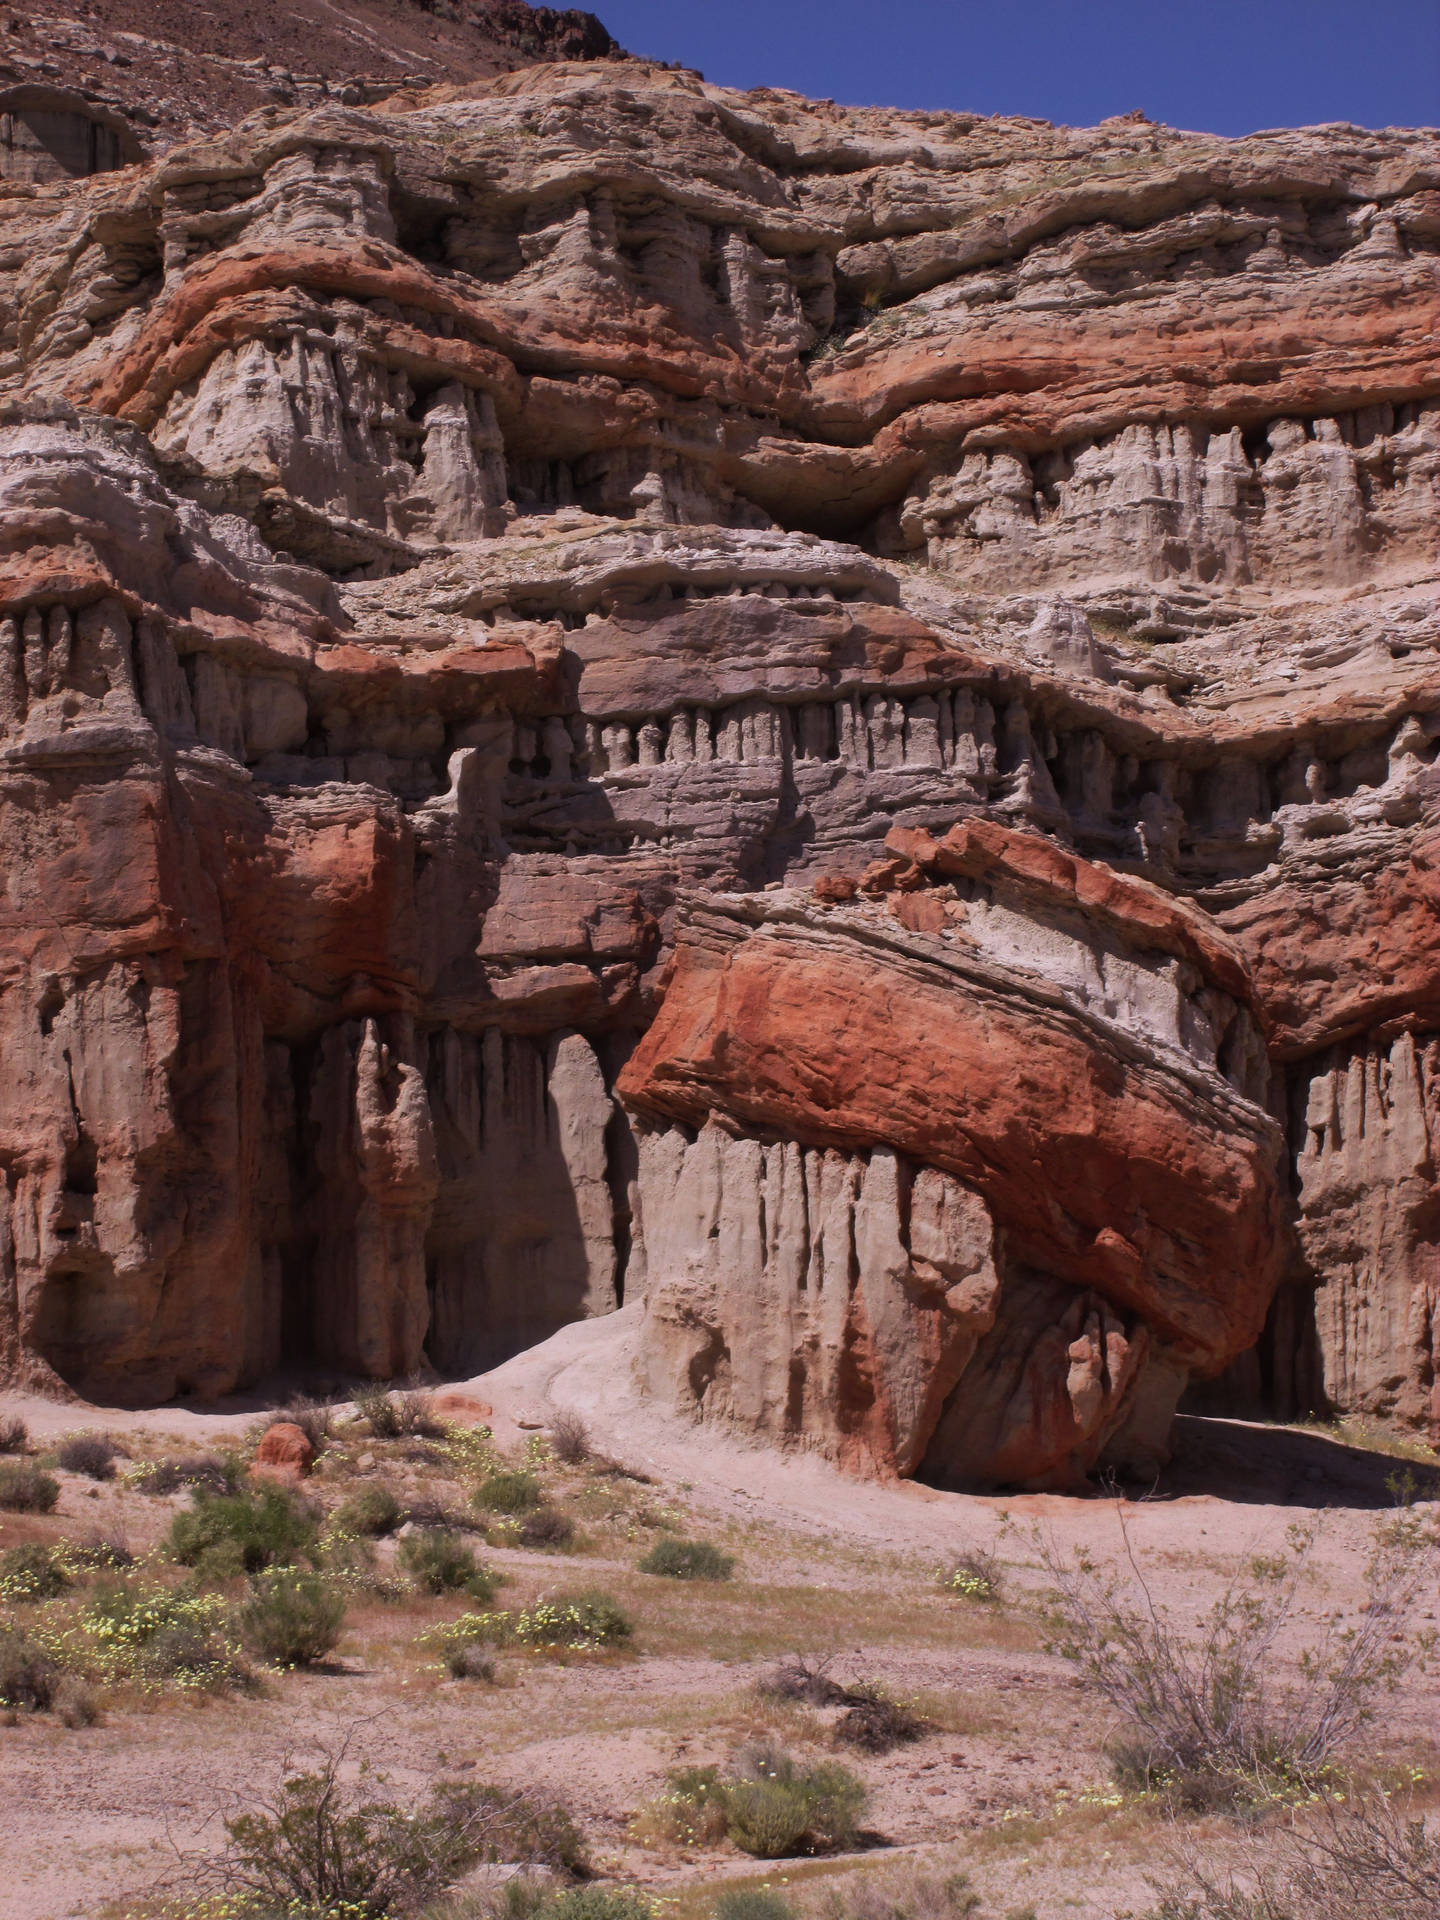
column 226, row 1534
column 546, row 1527
column 976, row 1575
column 753, row 1903
column 569, row 1438
column 439, row 1561
column 33, row 1572
column 371, row 1511
column 688, row 1560
column 292, row 1619
column 25, row 1488
column 466, row 1661
column 102, row 1553
column 767, row 1804
column 93, row 1454
column 1365, row 1861
column 689, row 1813
column 575, row 1623
column 909, row 1893
column 321, row 1847
column 801, row 1679
column 775, row 1808
column 580, row 1903
column 214, row 1472
column 380, row 1410
column 1217, row 1720
column 398, row 1416
column 14, row 1434
column 158, row 1636
column 509, row 1491
column 315, row 1419
column 874, row 1722
column 28, row 1674
column 75, row 1703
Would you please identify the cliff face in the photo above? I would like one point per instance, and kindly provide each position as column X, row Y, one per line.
column 829, row 716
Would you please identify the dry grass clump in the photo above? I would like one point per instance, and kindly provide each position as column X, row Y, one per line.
column 214, row 1472
column 904, row 1893
column 406, row 1415
column 91, row 1454
column 1219, row 1720
column 14, row 1434
column 975, row 1575
column 28, row 1674
column 1370, row 1861
column 319, row 1846
column 873, row 1720
column 315, row 1419
column 546, row 1527
column 569, row 1438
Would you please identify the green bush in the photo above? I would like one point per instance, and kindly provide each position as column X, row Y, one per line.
column 33, row 1572
column 371, row 1511
column 28, row 1675
column 24, row 1488
column 439, row 1561
column 688, row 1560
column 753, row 1903
column 775, row 1809
column 509, row 1491
column 227, row 1534
column 292, row 1619
column 581, row 1903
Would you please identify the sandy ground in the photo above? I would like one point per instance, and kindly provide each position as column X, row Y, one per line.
column 1012, row 1786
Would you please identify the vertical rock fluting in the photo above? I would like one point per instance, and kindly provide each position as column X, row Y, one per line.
column 613, row 687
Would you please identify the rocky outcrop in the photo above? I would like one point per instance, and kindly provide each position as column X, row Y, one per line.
column 986, row 1083
column 611, row 687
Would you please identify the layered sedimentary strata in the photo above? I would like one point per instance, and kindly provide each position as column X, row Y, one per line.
column 616, row 687
column 941, row 1102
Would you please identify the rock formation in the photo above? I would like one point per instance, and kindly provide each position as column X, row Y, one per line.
column 826, row 716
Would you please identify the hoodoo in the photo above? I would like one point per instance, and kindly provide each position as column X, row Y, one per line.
column 611, row 688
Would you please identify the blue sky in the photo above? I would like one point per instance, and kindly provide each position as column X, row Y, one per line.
column 1224, row 66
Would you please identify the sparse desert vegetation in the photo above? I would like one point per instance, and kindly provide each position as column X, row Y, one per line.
column 466, row 1658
